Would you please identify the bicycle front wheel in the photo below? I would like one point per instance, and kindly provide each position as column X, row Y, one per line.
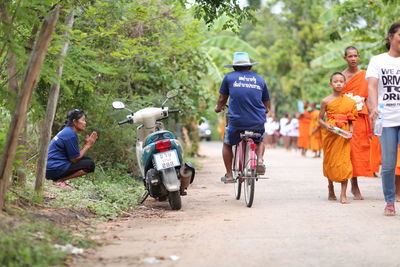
column 236, row 173
column 248, row 190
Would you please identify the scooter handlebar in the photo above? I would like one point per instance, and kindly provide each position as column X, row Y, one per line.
column 128, row 120
column 123, row 122
column 174, row 111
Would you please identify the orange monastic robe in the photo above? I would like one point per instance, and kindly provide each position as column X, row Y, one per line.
column 397, row 172
column 375, row 154
column 376, row 157
column 337, row 163
column 303, row 141
column 316, row 138
column 360, row 143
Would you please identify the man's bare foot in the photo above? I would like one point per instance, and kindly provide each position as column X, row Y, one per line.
column 332, row 197
column 357, row 194
column 343, row 200
column 355, row 190
column 331, row 192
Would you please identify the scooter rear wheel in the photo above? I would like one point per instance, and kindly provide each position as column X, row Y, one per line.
column 174, row 199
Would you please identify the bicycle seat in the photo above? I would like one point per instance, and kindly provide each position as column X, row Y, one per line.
column 249, row 134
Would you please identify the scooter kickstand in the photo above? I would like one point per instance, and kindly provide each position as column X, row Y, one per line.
column 144, row 197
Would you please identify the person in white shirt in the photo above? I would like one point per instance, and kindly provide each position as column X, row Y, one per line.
column 293, row 131
column 271, row 126
column 383, row 75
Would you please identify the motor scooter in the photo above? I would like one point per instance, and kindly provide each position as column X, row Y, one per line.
column 159, row 154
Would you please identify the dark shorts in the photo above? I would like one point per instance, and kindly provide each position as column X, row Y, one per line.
column 232, row 135
column 86, row 164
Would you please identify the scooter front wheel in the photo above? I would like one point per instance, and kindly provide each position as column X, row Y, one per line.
column 174, row 199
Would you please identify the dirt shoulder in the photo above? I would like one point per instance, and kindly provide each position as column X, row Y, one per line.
column 290, row 224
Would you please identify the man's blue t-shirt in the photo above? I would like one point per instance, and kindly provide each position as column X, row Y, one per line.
column 247, row 91
column 63, row 147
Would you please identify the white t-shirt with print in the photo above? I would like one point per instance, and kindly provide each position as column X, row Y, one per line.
column 387, row 70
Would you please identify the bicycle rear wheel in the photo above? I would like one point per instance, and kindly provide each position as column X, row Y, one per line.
column 249, row 183
column 249, row 186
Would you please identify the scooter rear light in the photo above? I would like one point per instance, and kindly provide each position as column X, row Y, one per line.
column 163, row 145
column 253, row 146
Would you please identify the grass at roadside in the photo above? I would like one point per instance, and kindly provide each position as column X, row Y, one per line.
column 35, row 224
column 26, row 240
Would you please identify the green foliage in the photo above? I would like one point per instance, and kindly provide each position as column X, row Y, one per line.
column 304, row 43
column 134, row 51
column 210, row 11
column 284, row 42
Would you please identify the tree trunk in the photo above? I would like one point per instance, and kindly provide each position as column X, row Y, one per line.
column 28, row 85
column 20, row 178
column 12, row 72
column 51, row 107
column 11, row 58
column 13, row 87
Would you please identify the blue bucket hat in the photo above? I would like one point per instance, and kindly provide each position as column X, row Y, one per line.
column 241, row 59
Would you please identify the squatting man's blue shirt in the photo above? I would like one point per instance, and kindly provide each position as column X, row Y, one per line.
column 63, row 147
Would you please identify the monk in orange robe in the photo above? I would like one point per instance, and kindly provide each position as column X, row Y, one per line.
column 397, row 173
column 375, row 154
column 357, row 88
column 341, row 111
column 303, row 142
column 315, row 132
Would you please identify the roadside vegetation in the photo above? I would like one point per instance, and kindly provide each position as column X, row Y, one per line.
column 98, row 52
column 135, row 52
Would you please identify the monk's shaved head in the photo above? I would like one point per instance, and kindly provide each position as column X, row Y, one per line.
column 337, row 73
column 349, row 48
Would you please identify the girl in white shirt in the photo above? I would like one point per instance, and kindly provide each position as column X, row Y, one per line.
column 383, row 75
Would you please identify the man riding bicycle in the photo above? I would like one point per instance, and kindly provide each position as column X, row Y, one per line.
column 248, row 104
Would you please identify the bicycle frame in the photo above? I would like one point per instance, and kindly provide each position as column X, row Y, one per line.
column 240, row 160
column 244, row 166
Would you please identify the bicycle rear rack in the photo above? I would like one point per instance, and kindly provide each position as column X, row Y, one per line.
column 250, row 134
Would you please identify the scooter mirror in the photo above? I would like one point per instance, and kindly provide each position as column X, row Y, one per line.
column 172, row 93
column 118, row 105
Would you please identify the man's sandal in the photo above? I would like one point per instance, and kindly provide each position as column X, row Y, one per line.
column 226, row 180
column 62, row 185
column 260, row 169
column 389, row 210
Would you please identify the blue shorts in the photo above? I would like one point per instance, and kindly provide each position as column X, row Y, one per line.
column 232, row 135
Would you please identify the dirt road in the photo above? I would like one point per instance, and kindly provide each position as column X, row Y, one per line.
column 291, row 223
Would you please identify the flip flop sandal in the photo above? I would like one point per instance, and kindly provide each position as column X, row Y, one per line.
column 62, row 185
column 389, row 210
column 226, row 180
